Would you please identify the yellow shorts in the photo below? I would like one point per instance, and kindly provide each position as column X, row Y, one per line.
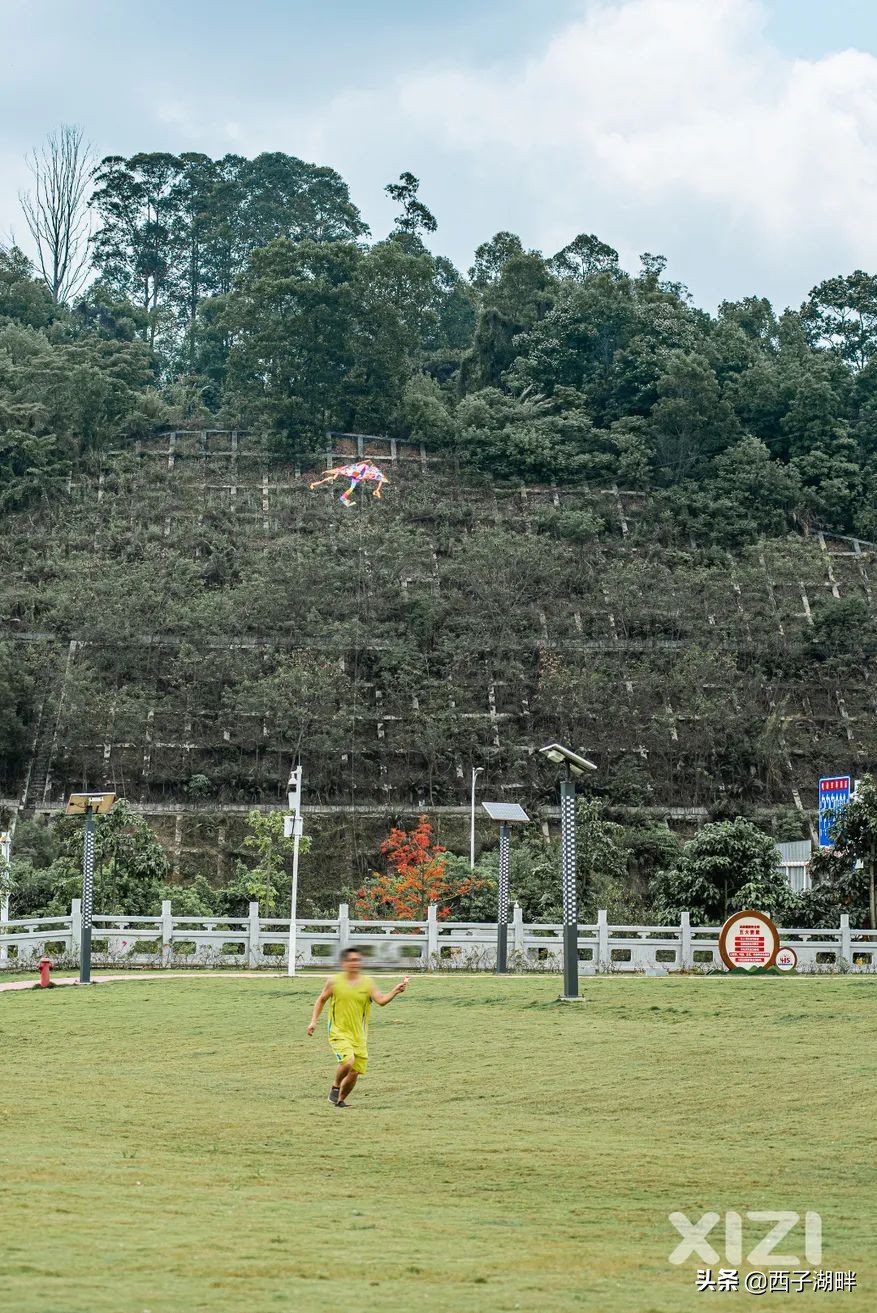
column 345, row 1050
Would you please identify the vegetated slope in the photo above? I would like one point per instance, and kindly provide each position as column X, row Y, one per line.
column 192, row 617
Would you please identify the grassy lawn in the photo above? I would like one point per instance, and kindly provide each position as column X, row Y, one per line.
column 167, row 1146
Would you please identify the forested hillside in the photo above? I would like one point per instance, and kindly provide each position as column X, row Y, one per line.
column 612, row 517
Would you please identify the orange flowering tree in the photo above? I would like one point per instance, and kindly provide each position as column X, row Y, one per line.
column 417, row 874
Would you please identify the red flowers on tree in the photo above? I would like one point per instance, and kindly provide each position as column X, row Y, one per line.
column 416, row 876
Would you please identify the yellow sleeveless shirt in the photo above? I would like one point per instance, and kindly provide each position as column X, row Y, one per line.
column 349, row 1009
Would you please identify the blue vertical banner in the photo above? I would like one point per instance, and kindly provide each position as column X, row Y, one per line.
column 834, row 793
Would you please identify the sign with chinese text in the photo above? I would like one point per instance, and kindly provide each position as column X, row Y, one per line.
column 748, row 940
column 834, row 793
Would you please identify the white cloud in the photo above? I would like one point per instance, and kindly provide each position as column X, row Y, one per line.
column 668, row 125
column 659, row 116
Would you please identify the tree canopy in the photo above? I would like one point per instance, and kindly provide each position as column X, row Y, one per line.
column 253, row 295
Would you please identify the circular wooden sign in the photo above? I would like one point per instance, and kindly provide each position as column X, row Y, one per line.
column 787, row 959
column 749, row 939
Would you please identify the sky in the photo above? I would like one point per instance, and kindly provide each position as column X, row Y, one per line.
column 736, row 137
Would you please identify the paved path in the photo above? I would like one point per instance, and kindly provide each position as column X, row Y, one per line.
column 212, row 973
column 148, row 975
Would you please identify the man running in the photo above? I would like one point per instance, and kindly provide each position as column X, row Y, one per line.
column 350, row 995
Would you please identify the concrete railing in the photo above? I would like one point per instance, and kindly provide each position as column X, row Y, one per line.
column 257, row 941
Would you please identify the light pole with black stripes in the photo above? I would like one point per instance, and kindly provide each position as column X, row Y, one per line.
column 88, row 805
column 573, row 766
column 507, row 813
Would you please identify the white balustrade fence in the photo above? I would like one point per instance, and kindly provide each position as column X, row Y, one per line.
column 256, row 941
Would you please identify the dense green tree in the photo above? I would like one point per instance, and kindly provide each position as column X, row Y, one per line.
column 266, row 881
column 456, row 310
column 754, row 319
column 328, row 335
column 725, row 866
column 425, row 413
column 843, row 627
column 285, row 197
column 102, row 313
column 396, row 320
column 130, row 864
column 24, row 299
column 690, row 421
column 492, row 257
column 139, row 237
column 58, row 402
column 833, row 484
column 293, row 329
column 518, row 299
column 747, row 496
column 603, row 857
column 576, row 343
column 841, row 314
column 32, row 889
column 583, row 257
column 415, row 218
column 176, row 230
column 16, row 694
column 814, row 418
column 527, row 438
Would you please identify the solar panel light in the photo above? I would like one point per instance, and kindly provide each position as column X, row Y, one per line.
column 88, row 805
column 574, row 764
column 505, row 811
column 561, row 756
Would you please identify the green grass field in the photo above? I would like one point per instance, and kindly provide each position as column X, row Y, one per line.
column 167, row 1145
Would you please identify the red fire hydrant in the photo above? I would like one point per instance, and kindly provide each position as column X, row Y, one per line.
column 45, row 973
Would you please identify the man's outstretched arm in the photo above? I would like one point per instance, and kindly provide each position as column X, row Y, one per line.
column 383, row 999
column 318, row 1006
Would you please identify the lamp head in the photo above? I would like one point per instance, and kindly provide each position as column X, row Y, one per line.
column 561, row 756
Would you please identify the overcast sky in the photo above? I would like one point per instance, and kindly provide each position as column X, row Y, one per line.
column 737, row 137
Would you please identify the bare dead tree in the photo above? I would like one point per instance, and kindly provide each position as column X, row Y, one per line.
column 56, row 210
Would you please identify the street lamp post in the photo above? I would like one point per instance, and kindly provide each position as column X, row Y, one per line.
column 88, row 805
column 476, row 771
column 568, row 866
column 502, row 910
column 87, row 898
column 294, row 826
column 573, row 765
column 506, row 813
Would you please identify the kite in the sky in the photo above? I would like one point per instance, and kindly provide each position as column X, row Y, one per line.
column 362, row 472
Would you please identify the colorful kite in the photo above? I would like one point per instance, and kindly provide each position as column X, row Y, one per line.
column 362, row 472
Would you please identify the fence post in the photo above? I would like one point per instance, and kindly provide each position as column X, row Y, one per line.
column 603, row 962
column 76, row 928
column 167, row 932
column 253, row 936
column 846, row 939
column 686, row 956
column 431, row 936
column 343, row 926
column 518, row 929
